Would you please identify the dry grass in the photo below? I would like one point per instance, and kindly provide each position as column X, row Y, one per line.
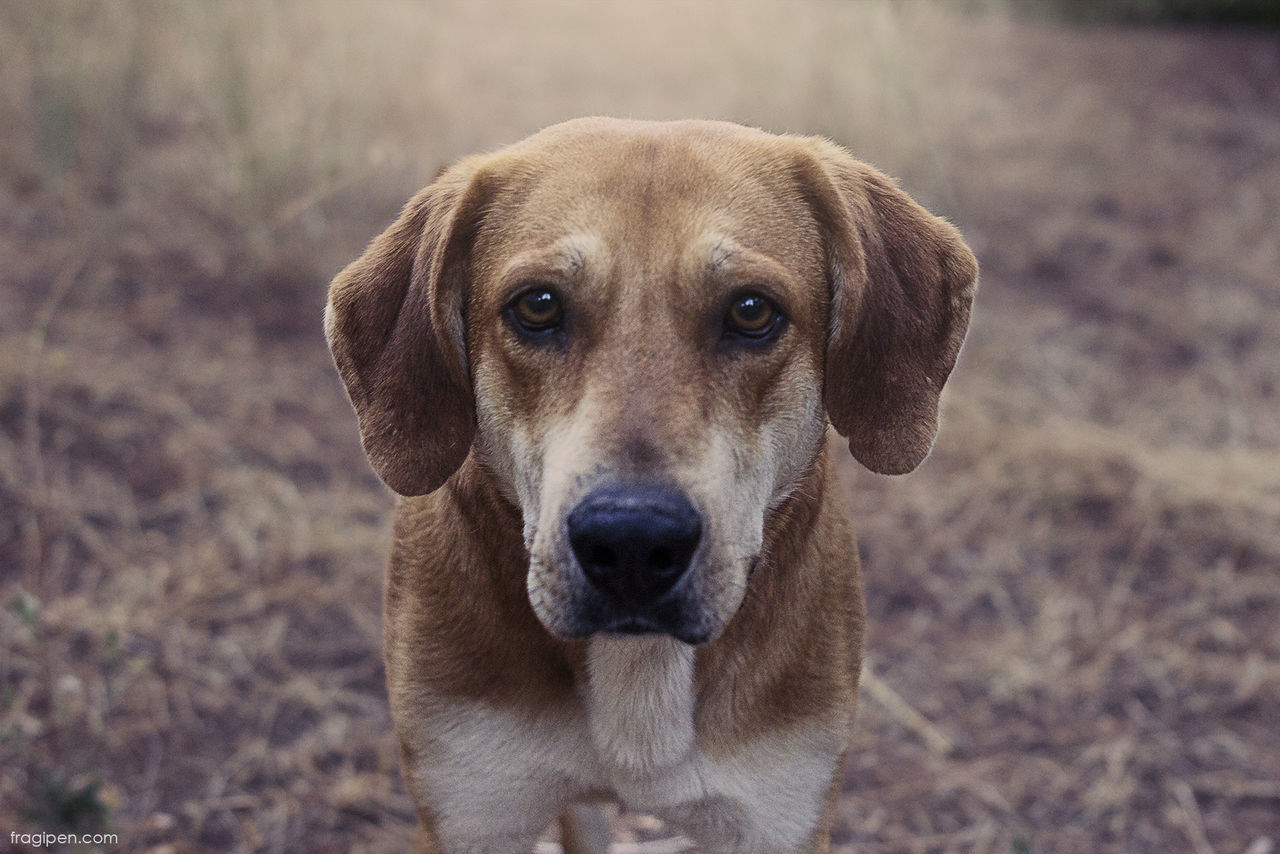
column 1073, row 603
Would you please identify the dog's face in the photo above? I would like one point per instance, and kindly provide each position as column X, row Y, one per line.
column 647, row 369
column 640, row 331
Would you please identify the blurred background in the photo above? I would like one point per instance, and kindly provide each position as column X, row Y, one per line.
column 1073, row 604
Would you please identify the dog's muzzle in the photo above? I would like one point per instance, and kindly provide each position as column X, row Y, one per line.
column 635, row 544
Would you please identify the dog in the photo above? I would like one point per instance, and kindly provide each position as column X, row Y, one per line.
column 598, row 365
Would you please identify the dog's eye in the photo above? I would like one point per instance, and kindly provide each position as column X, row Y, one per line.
column 536, row 310
column 752, row 316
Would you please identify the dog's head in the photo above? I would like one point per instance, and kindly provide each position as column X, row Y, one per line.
column 641, row 330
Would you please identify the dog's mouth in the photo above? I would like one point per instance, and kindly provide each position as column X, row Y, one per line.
column 676, row 615
column 641, row 626
column 632, row 627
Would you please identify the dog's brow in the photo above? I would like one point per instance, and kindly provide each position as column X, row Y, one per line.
column 721, row 251
column 737, row 262
column 565, row 258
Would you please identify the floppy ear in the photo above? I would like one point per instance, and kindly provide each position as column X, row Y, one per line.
column 902, row 282
column 395, row 328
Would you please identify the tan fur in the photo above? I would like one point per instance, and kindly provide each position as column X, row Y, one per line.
column 646, row 230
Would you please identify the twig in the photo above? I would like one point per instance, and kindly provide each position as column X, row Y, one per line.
column 934, row 738
column 1192, row 819
column 1226, row 786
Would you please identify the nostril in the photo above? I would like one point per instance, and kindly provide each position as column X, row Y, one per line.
column 602, row 557
column 660, row 560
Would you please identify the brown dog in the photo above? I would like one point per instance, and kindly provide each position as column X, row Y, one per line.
column 599, row 364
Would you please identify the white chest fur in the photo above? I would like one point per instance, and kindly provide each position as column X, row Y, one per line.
column 639, row 702
column 499, row 778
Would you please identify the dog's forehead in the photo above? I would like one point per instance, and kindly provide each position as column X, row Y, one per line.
column 655, row 189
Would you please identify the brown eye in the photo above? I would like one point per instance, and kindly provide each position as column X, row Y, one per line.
column 752, row 316
column 536, row 310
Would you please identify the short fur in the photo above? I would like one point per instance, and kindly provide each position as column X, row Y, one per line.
column 507, row 709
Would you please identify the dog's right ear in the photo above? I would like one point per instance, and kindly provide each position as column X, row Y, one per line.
column 395, row 327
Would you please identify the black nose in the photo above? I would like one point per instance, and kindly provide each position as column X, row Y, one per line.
column 634, row 542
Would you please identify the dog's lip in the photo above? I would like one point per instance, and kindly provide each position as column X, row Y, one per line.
column 632, row 626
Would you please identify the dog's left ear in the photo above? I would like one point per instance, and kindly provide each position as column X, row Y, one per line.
column 902, row 281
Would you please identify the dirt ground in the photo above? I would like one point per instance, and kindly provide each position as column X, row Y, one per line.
column 1073, row 603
